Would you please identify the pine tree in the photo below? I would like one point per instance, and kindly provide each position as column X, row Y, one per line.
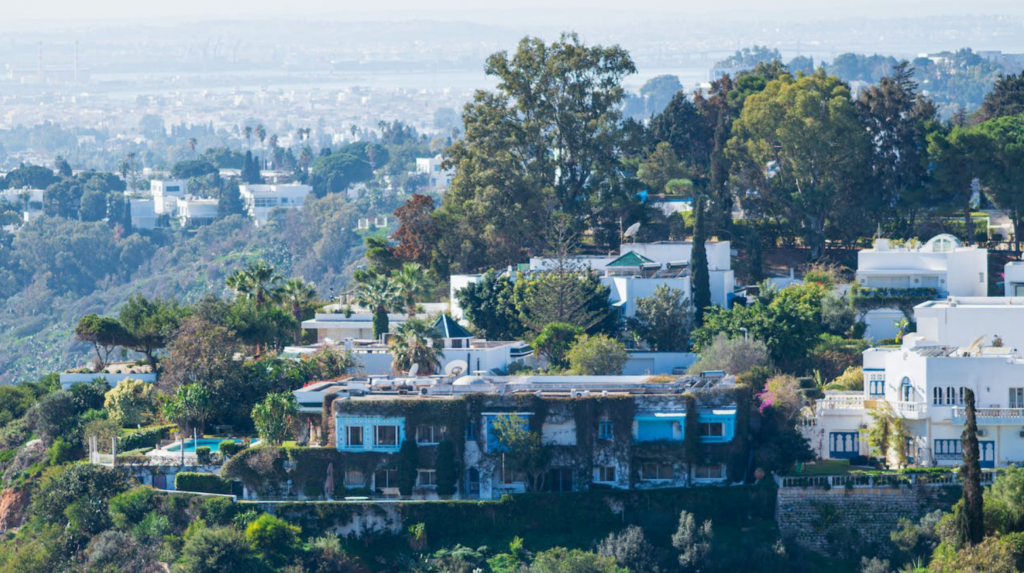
column 230, row 202
column 970, row 516
column 700, row 278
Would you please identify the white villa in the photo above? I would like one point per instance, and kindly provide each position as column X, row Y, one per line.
column 960, row 344
column 942, row 264
column 194, row 211
column 260, row 200
column 636, row 271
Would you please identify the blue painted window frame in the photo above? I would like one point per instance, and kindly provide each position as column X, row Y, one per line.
column 846, row 440
column 604, row 430
column 369, row 425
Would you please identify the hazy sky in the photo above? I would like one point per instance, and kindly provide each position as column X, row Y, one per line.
column 488, row 11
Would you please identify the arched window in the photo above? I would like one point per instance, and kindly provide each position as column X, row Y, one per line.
column 906, row 389
column 937, row 396
column 950, row 396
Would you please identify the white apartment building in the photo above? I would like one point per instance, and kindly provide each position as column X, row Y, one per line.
column 260, row 200
column 438, row 178
column 166, row 193
column 942, row 264
column 636, row 272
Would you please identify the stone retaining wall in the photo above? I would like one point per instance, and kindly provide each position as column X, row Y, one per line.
column 837, row 519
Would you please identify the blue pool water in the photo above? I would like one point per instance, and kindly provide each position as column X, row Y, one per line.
column 190, row 445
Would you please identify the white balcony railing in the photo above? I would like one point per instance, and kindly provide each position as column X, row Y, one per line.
column 911, row 407
column 842, row 402
column 990, row 415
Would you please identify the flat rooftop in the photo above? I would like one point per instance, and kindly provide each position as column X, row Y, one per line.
column 1000, row 302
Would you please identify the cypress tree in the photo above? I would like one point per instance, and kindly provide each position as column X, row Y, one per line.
column 406, row 466
column 970, row 516
column 230, row 201
column 701, row 280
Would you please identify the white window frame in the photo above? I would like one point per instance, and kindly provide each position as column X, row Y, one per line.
column 351, row 482
column 1016, row 397
column 426, row 478
column 376, row 436
column 348, row 436
column 702, row 472
column 605, row 474
column 437, row 432
column 659, row 466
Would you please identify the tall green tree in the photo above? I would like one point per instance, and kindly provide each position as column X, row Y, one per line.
column 381, row 295
column 699, row 273
column 150, row 323
column 295, row 295
column 189, row 408
column 970, row 517
column 230, row 200
column 554, row 342
column 275, row 416
column 1006, row 98
column 545, row 139
column 799, row 146
column 416, row 342
column 489, row 305
column 1002, row 168
column 415, row 283
column 259, row 281
column 103, row 333
column 663, row 320
column 960, row 156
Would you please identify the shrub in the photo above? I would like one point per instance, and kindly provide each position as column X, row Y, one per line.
column 200, row 482
column 735, row 356
column 145, row 438
column 274, row 538
column 218, row 510
column 128, row 508
column 59, row 452
column 597, row 355
column 131, row 402
column 229, row 448
column 222, row 550
column 203, row 455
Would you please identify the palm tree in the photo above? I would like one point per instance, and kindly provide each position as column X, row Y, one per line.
column 272, row 144
column 306, row 158
column 416, row 342
column 294, row 294
column 258, row 281
column 415, row 283
column 192, row 143
column 247, row 132
column 261, row 134
column 381, row 294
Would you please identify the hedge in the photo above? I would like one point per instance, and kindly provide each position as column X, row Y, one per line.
column 202, row 483
column 147, row 438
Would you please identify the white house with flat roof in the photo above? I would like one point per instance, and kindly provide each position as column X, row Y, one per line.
column 166, row 193
column 193, row 211
column 942, row 264
column 260, row 200
column 438, row 178
column 144, row 215
column 1013, row 279
column 959, row 321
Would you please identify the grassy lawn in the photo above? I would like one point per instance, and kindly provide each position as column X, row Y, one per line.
column 826, row 467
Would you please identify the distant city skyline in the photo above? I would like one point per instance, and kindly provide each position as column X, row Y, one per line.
column 514, row 13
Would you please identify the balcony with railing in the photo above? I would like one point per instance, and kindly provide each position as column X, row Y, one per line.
column 842, row 401
column 990, row 416
column 911, row 410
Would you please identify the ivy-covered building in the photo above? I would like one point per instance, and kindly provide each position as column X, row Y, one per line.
column 480, row 438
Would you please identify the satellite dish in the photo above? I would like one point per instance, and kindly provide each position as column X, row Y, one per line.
column 456, row 367
column 414, row 368
column 631, row 231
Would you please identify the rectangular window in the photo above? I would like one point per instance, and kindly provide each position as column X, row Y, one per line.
column 937, row 396
column 709, row 472
column 172, row 188
column 650, row 471
column 426, row 477
column 354, row 478
column 354, row 435
column 510, row 476
column 712, row 429
column 429, row 434
column 386, row 481
column 606, row 474
column 385, row 435
column 470, row 431
column 948, row 449
column 604, row 430
column 1017, row 397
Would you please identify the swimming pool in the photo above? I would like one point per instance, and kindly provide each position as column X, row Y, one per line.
column 190, row 445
